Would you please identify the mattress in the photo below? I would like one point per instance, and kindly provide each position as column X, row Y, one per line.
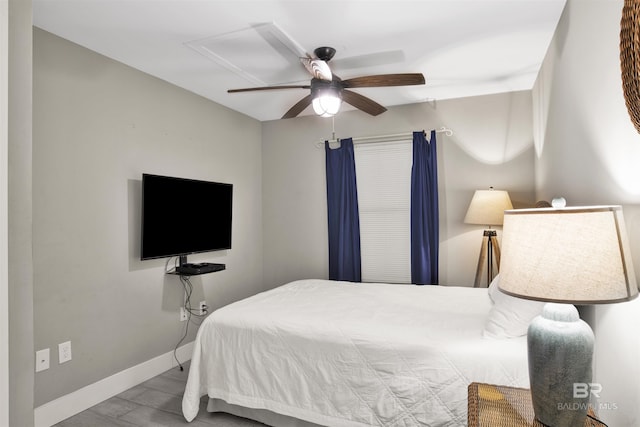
column 344, row 354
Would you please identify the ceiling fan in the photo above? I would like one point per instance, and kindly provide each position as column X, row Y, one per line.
column 328, row 90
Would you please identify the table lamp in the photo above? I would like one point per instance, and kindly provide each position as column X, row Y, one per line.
column 564, row 256
column 487, row 208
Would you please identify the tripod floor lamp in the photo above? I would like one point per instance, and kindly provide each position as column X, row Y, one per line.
column 487, row 208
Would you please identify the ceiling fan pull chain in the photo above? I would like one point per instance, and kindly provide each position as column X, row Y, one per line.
column 333, row 127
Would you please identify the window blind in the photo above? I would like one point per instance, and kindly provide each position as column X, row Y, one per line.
column 383, row 175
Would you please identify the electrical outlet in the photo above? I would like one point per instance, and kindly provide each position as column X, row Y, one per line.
column 42, row 360
column 183, row 314
column 64, row 352
column 203, row 308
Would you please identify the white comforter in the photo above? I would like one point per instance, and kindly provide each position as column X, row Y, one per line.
column 344, row 354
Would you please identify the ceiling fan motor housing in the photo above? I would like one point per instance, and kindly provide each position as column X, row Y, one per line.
column 324, row 87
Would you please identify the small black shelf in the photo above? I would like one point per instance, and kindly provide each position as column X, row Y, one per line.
column 198, row 269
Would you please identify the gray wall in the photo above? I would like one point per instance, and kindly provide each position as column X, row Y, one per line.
column 588, row 151
column 20, row 271
column 492, row 145
column 98, row 125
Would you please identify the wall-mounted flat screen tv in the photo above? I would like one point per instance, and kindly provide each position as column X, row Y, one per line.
column 184, row 216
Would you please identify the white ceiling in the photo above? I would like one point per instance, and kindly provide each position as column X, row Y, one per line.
column 463, row 47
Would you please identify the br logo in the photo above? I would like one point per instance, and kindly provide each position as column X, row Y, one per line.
column 582, row 390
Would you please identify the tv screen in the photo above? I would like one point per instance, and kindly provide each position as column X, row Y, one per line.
column 184, row 216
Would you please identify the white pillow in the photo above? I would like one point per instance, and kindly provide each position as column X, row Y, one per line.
column 510, row 316
column 493, row 288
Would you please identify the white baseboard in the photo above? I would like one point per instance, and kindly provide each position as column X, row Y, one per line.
column 80, row 400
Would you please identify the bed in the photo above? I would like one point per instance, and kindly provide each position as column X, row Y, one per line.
column 319, row 352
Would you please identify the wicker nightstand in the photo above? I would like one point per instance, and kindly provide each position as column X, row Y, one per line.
column 502, row 406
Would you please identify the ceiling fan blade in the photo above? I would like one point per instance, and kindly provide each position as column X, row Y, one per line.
column 363, row 103
column 317, row 68
column 381, row 80
column 251, row 89
column 369, row 60
column 298, row 107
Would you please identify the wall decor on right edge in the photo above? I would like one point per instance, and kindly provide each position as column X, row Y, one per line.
column 630, row 58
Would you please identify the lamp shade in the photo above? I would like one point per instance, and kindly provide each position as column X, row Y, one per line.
column 487, row 207
column 571, row 255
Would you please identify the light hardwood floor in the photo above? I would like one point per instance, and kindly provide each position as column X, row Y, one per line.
column 157, row 402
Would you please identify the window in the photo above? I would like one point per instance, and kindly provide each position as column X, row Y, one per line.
column 383, row 175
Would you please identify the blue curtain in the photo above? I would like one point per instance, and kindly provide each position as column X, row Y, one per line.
column 424, row 210
column 342, row 209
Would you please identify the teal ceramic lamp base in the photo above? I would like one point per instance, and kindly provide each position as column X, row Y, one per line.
column 560, row 355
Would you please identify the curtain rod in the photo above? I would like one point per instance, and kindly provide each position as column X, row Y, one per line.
column 383, row 138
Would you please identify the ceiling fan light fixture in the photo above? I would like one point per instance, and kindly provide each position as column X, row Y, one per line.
column 326, row 105
column 326, row 97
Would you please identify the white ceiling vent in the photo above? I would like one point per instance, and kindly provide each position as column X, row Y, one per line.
column 262, row 54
